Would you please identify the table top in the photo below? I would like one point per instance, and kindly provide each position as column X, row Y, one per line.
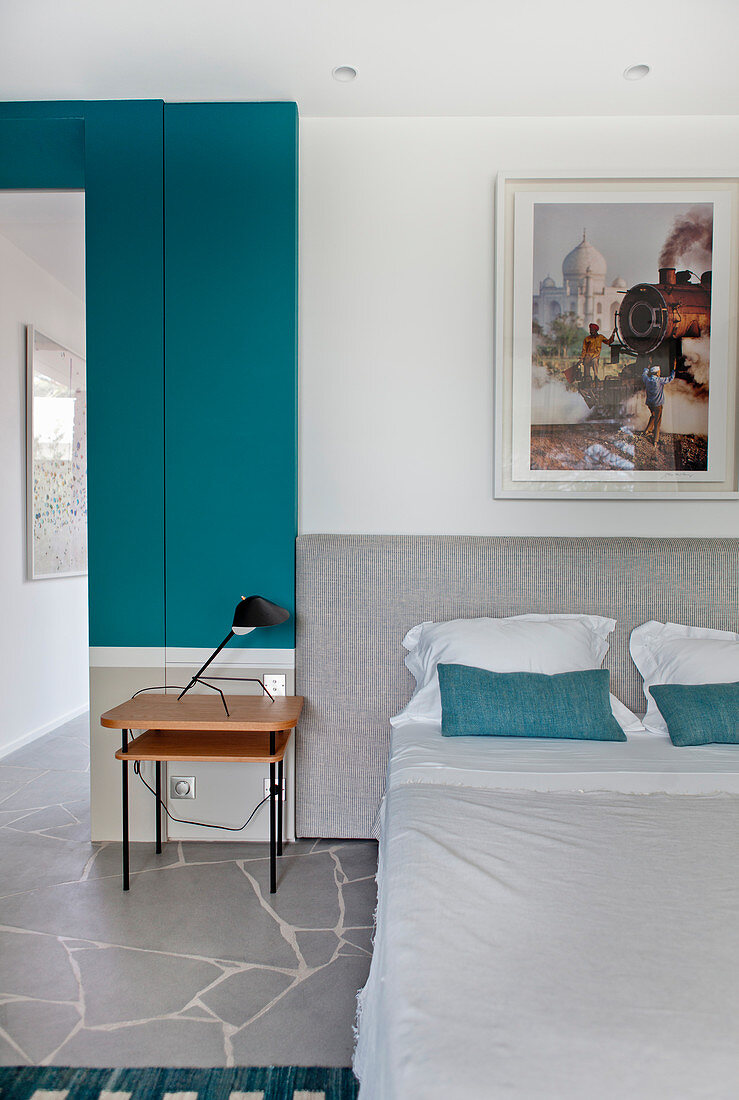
column 248, row 713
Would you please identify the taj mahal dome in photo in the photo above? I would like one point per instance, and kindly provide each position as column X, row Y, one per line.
column 583, row 291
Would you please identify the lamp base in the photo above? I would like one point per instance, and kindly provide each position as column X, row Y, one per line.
column 241, row 679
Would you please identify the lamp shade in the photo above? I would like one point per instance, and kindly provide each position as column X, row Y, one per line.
column 254, row 611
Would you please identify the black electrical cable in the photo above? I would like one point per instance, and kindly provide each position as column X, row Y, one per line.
column 202, row 824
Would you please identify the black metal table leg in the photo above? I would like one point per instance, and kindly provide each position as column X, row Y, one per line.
column 158, row 811
column 124, row 784
column 272, row 831
column 279, row 808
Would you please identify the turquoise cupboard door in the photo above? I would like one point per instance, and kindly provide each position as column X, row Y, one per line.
column 112, row 150
column 230, row 200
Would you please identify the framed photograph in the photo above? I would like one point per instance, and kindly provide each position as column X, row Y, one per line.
column 56, row 464
column 616, row 337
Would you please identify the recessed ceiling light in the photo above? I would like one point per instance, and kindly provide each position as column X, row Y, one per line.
column 344, row 74
column 636, row 72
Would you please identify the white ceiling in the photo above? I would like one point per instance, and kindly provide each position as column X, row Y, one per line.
column 49, row 226
column 414, row 57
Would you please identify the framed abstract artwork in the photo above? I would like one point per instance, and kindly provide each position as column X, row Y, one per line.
column 616, row 337
column 56, row 459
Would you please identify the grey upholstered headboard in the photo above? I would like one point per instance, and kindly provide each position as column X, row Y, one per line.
column 359, row 594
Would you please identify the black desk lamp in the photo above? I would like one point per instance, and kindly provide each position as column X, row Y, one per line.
column 251, row 612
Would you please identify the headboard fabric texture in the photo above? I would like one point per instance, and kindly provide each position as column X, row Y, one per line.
column 357, row 595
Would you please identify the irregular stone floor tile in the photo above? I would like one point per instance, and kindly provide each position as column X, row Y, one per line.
column 35, row 965
column 49, row 817
column 37, row 1026
column 307, row 894
column 312, row 1016
column 121, row 984
column 358, row 858
column 30, row 862
column 142, row 858
column 58, row 753
column 360, row 938
column 243, row 995
column 318, row 948
column 48, row 788
column 13, row 779
column 154, row 1043
column 360, row 898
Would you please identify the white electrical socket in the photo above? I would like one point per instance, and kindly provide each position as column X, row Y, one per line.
column 182, row 786
column 266, row 790
column 275, row 685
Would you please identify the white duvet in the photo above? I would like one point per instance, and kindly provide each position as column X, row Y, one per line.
column 556, row 945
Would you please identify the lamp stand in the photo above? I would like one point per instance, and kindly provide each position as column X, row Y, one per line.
column 200, row 671
column 198, row 677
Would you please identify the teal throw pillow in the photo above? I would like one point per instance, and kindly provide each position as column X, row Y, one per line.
column 699, row 714
column 475, row 702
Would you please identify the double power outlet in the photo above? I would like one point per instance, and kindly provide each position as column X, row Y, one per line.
column 275, row 684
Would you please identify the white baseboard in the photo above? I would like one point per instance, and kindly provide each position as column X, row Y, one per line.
column 235, row 657
column 127, row 656
column 175, row 657
column 26, row 738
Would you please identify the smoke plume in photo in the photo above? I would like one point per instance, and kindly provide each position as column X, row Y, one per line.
column 697, row 359
column 552, row 402
column 690, row 242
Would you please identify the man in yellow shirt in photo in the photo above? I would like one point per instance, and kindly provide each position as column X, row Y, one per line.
column 590, row 354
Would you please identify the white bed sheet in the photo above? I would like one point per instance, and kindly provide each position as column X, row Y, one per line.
column 553, row 946
column 645, row 763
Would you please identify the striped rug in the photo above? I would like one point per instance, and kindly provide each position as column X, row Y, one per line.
column 241, row 1083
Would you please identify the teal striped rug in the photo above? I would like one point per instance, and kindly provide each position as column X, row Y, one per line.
column 241, row 1083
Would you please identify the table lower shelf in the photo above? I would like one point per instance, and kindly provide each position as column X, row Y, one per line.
column 218, row 747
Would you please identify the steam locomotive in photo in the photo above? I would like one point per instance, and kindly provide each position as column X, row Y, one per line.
column 658, row 315
column 651, row 324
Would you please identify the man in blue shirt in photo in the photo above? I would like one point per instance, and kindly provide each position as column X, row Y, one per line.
column 655, row 387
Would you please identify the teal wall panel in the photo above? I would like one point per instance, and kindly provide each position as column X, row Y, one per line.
column 42, row 153
column 125, row 393
column 230, row 365
column 124, row 230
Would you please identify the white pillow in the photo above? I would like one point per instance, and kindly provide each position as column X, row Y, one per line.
column 667, row 653
column 521, row 643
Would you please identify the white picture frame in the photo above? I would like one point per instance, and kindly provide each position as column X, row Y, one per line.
column 56, row 459
column 526, row 202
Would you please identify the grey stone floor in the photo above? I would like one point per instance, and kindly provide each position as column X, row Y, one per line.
column 198, row 965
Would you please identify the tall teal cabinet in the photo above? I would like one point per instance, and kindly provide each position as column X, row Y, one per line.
column 230, row 305
column 191, row 249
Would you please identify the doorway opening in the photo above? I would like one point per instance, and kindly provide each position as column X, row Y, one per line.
column 43, row 490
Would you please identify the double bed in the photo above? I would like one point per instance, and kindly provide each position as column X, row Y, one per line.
column 557, row 920
column 545, row 933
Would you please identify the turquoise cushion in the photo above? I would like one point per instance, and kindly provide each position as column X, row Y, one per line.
column 475, row 702
column 699, row 714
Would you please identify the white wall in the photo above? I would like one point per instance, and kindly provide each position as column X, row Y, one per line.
column 43, row 636
column 396, row 359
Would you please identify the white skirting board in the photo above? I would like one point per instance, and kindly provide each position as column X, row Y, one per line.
column 176, row 657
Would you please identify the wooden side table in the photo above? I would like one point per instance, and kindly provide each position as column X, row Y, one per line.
column 256, row 730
